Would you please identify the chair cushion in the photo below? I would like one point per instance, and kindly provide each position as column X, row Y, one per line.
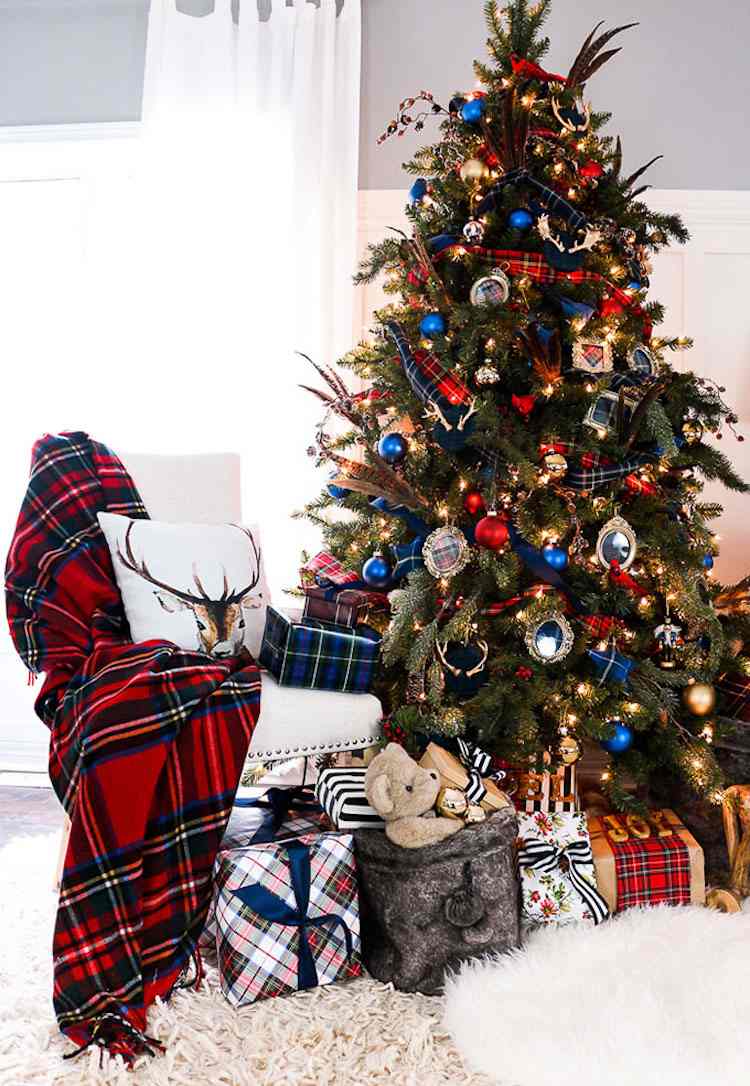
column 296, row 722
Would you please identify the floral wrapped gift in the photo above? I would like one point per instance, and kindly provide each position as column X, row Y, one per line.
column 287, row 917
column 558, row 879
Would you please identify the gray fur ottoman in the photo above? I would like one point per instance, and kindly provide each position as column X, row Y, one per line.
column 425, row 910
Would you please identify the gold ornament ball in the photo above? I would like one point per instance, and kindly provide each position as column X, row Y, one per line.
column 555, row 464
column 692, row 431
column 474, row 170
column 699, row 698
column 452, row 803
column 569, row 750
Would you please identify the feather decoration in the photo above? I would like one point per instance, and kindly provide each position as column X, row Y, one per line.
column 377, row 480
column 339, row 400
column 638, row 173
column 590, row 57
column 734, row 600
column 545, row 357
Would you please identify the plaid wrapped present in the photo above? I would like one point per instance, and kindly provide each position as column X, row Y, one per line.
column 344, row 607
column 341, row 793
column 558, row 878
column 318, row 655
column 547, row 791
column 649, row 861
column 324, row 569
column 287, row 917
column 277, row 815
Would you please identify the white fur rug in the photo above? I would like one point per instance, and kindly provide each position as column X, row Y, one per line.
column 656, row 997
column 359, row 1033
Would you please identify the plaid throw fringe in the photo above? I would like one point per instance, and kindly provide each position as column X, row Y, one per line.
column 135, row 732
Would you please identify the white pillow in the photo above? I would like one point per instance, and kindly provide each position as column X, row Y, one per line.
column 201, row 586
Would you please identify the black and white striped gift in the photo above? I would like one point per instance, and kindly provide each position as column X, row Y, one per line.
column 341, row 794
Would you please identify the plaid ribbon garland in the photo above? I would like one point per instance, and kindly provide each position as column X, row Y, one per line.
column 546, row 856
column 536, row 267
column 408, row 558
column 426, row 374
column 592, row 478
column 652, row 871
column 611, row 665
column 552, row 200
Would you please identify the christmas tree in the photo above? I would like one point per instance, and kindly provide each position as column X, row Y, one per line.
column 522, row 473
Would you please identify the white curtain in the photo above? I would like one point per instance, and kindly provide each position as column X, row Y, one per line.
column 154, row 292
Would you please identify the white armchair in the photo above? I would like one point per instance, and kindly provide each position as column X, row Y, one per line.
column 293, row 723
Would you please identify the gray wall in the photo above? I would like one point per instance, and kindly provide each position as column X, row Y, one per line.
column 679, row 87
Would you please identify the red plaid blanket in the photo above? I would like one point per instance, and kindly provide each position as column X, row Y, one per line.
column 147, row 744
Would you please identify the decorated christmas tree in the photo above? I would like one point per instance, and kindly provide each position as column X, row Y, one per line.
column 522, row 472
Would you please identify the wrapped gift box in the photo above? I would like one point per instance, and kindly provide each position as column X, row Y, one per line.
column 318, row 655
column 455, row 774
column 549, row 792
column 344, row 607
column 646, row 861
column 287, row 917
column 556, row 863
column 734, row 691
column 278, row 814
column 341, row 794
column 324, row 569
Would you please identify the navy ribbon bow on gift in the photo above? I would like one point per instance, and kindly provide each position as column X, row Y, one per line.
column 274, row 909
column 548, row 857
column 278, row 804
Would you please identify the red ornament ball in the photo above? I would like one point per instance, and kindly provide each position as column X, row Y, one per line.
column 491, row 532
column 474, row 503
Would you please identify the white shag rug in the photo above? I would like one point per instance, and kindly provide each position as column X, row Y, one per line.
column 359, row 1033
column 655, row 997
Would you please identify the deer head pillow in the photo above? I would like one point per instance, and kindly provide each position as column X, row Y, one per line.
column 200, row 586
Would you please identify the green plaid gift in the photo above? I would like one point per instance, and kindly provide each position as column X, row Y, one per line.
column 319, row 655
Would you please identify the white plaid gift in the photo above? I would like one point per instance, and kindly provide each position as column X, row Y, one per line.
column 314, row 938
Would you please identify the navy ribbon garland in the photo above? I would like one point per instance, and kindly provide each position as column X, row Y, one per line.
column 274, row 909
column 552, row 200
column 411, row 520
column 548, row 857
column 535, row 561
column 277, row 805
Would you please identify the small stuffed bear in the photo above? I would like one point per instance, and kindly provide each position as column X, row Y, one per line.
column 403, row 793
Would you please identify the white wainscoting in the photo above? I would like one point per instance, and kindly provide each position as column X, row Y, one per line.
column 705, row 286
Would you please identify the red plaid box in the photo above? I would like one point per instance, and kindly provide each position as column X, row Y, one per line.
column 347, row 607
column 324, row 569
column 287, row 917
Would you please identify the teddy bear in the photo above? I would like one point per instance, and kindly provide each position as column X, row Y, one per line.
column 403, row 794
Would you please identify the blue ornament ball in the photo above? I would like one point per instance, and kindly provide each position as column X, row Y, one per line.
column 557, row 557
column 620, row 741
column 376, row 571
column 393, row 448
column 432, row 324
column 708, row 561
column 521, row 219
column 472, row 111
column 337, row 492
column 418, row 191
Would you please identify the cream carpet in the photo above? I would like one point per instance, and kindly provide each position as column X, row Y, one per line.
column 655, row 997
column 359, row 1033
